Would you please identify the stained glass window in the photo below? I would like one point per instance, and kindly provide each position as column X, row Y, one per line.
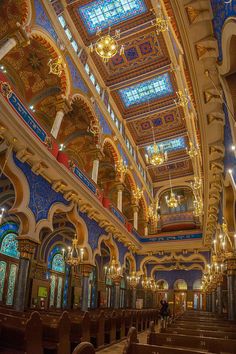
column 157, row 87
column 9, row 246
column 105, row 13
column 58, row 263
column 59, row 292
column 171, row 145
column 11, row 284
column 3, row 267
column 52, row 290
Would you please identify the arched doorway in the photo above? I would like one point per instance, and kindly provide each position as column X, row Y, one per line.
column 180, row 296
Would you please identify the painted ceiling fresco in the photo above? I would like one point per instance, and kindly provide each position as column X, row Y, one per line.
column 141, row 80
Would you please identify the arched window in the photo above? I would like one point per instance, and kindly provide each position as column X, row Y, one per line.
column 9, row 246
column 9, row 256
column 58, row 263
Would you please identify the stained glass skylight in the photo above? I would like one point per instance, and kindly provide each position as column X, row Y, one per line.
column 171, row 145
column 157, row 87
column 104, row 13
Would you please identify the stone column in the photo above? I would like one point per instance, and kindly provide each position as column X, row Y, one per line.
column 63, row 107
column 95, row 170
column 117, row 293
column 213, row 296
column 135, row 211
column 86, row 269
column 120, row 189
column 219, row 298
column 145, row 228
column 231, row 287
column 209, row 302
column 18, row 37
column 26, row 249
column 134, row 295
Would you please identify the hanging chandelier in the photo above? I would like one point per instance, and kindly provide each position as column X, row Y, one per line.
column 121, row 167
column 197, row 183
column 182, row 98
column 172, row 200
column 113, row 271
column 161, row 22
column 137, row 194
column 107, row 46
column 156, row 155
column 56, row 66
column 74, row 254
column 2, row 212
column 193, row 150
column 133, row 280
column 146, row 283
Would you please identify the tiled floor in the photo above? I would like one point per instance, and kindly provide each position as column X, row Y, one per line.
column 118, row 348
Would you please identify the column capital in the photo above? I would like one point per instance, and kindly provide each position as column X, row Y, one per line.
column 120, row 186
column 86, row 269
column 62, row 104
column 20, row 35
column 135, row 208
column 231, row 265
column 26, row 247
column 97, row 154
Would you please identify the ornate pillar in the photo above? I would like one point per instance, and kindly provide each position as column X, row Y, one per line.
column 120, row 189
column 135, row 211
column 97, row 158
column 213, row 296
column 117, row 292
column 145, row 228
column 231, row 287
column 18, row 37
column 63, row 107
column 86, row 269
column 209, row 302
column 219, row 299
column 134, row 295
column 26, row 248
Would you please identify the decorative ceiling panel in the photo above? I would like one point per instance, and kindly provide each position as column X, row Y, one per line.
column 177, row 169
column 170, row 145
column 164, row 124
column 148, row 50
column 149, row 90
column 104, row 13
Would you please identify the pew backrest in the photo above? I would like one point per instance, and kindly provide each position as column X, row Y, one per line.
column 84, row 348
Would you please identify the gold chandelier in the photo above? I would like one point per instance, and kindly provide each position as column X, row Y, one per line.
column 193, row 150
column 197, row 183
column 137, row 194
column 161, row 22
column 133, row 280
column 156, row 156
column 146, row 283
column 74, row 254
column 107, row 46
column 56, row 66
column 172, row 201
column 113, row 271
column 121, row 167
column 182, row 98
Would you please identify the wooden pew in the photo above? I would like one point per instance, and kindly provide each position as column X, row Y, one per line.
column 200, row 333
column 120, row 324
column 79, row 328
column 110, row 327
column 194, row 326
column 22, row 334
column 56, row 333
column 133, row 347
column 97, row 324
column 214, row 345
column 84, row 348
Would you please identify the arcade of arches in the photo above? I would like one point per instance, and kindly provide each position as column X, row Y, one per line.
column 86, row 219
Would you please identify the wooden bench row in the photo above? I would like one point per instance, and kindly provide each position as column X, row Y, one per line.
column 62, row 333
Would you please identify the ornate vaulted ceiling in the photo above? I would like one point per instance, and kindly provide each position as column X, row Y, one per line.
column 141, row 81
